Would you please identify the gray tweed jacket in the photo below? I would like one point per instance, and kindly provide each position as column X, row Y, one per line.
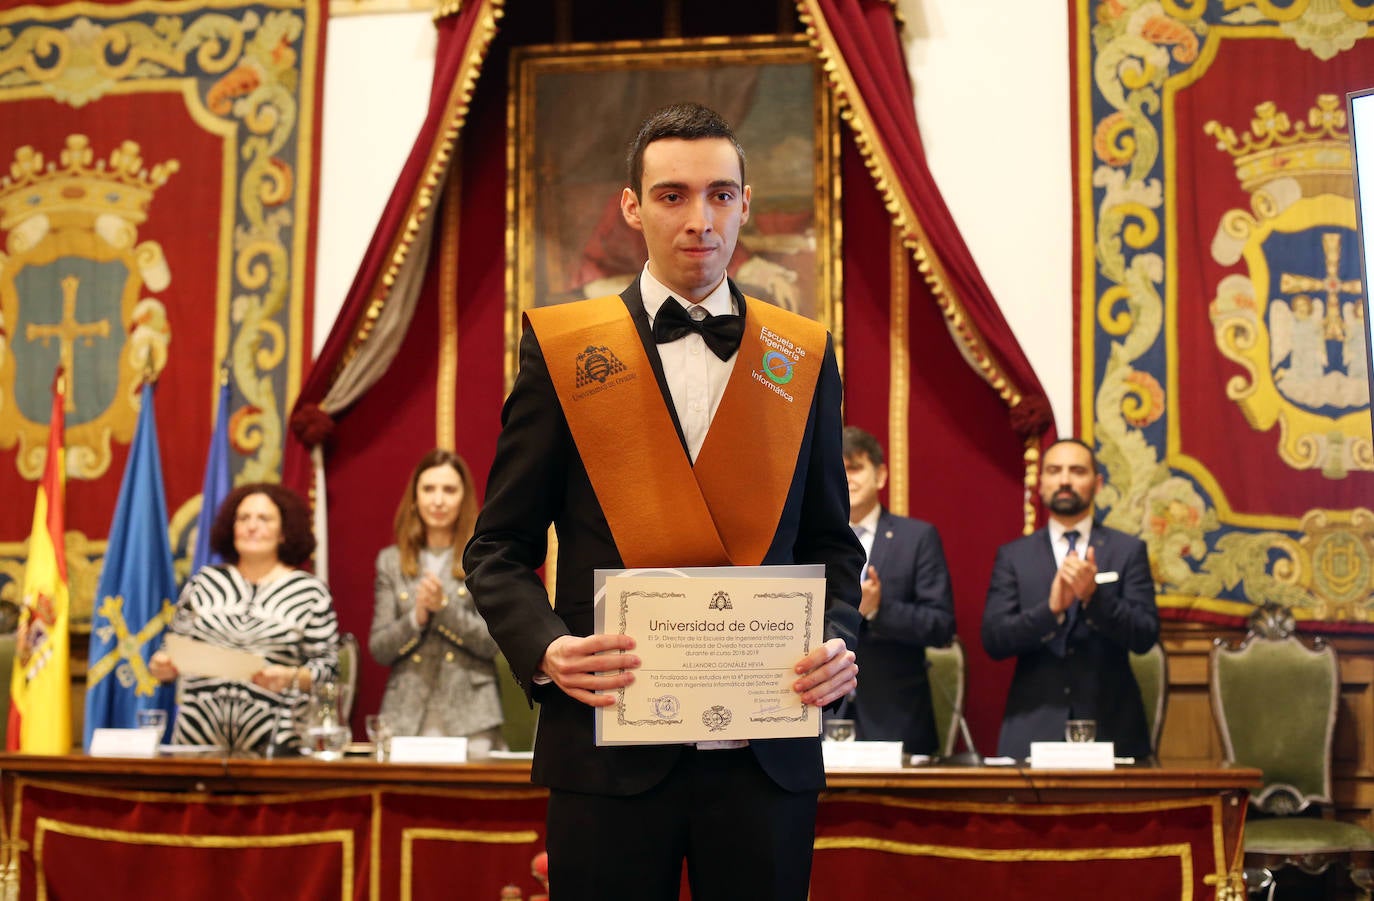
column 446, row 668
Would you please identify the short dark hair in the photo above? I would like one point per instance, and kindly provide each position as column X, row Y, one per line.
column 856, row 441
column 1092, row 454
column 688, row 121
column 297, row 537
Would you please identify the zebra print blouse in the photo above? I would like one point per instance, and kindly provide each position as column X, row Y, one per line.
column 290, row 621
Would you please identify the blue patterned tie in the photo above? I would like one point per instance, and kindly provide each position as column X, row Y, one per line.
column 1060, row 643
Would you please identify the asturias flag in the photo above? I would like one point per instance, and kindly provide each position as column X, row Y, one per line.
column 215, row 488
column 40, row 720
column 137, row 591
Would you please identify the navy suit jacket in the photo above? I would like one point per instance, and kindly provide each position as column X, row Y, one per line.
column 917, row 611
column 1093, row 680
column 538, row 478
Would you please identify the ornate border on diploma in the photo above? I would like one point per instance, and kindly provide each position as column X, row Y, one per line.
column 806, row 649
column 620, row 695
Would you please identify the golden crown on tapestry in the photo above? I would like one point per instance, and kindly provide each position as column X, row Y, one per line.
column 82, row 190
column 1318, row 159
column 73, row 291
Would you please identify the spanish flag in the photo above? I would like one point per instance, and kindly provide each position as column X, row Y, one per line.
column 40, row 719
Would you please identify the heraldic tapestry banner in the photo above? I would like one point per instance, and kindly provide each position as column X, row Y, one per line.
column 1222, row 371
column 157, row 191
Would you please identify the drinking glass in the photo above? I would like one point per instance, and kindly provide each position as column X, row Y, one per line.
column 839, row 730
column 152, row 718
column 1080, row 730
column 379, row 733
column 324, row 733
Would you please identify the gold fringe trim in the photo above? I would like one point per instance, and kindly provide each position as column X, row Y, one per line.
column 1031, row 456
column 446, row 389
column 904, row 218
column 440, row 156
column 899, row 379
column 448, row 8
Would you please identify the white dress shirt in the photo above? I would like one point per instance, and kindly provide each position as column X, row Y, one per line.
column 869, row 524
column 696, row 376
column 1084, row 528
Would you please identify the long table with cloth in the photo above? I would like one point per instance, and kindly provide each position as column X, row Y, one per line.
column 227, row 828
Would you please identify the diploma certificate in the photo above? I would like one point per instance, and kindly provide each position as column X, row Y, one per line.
column 717, row 654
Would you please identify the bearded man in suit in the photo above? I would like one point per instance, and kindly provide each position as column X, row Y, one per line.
column 1070, row 602
column 906, row 603
column 678, row 424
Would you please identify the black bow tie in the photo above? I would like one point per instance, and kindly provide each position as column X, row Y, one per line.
column 721, row 333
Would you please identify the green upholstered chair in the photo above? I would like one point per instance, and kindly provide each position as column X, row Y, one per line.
column 1151, row 671
column 348, row 673
column 1274, row 699
column 948, row 682
column 518, row 727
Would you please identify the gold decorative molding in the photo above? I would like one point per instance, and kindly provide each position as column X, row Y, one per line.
column 446, row 387
column 345, row 8
column 899, row 378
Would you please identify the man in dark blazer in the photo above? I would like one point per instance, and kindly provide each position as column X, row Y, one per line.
column 1070, row 602
column 906, row 604
column 622, row 820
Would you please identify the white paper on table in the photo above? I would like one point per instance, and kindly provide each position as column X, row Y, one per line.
column 428, row 749
column 192, row 657
column 883, row 755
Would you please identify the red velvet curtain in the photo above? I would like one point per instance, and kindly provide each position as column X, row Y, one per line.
column 309, row 427
column 865, row 33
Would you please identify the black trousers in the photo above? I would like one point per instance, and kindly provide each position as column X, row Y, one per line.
column 740, row 834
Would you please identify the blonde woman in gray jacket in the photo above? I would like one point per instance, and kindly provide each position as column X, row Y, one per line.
column 425, row 626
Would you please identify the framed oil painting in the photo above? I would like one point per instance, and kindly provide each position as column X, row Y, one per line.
column 572, row 112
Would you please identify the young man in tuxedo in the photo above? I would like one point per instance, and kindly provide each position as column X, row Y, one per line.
column 1070, row 602
column 906, row 603
column 677, row 424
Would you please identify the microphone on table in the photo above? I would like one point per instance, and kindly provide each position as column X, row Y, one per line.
column 969, row 756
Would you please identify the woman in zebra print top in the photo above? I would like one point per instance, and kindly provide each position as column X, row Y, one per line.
column 256, row 601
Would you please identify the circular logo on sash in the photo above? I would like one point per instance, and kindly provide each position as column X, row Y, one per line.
column 777, row 367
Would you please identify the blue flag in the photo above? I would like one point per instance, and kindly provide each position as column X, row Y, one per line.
column 137, row 592
column 215, row 488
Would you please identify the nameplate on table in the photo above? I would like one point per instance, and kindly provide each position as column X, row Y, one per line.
column 428, row 749
column 876, row 755
column 1072, row 755
column 717, row 647
column 110, row 742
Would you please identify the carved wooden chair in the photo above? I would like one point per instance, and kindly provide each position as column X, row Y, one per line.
column 1274, row 699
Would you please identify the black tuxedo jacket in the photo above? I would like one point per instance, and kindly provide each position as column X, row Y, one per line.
column 538, row 478
column 917, row 611
column 1093, row 680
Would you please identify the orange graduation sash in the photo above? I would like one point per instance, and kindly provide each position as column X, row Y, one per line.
column 662, row 511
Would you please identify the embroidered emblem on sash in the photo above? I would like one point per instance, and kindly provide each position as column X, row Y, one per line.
column 778, row 368
column 779, row 363
column 596, row 364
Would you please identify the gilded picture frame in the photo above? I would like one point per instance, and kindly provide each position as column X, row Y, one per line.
column 572, row 112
